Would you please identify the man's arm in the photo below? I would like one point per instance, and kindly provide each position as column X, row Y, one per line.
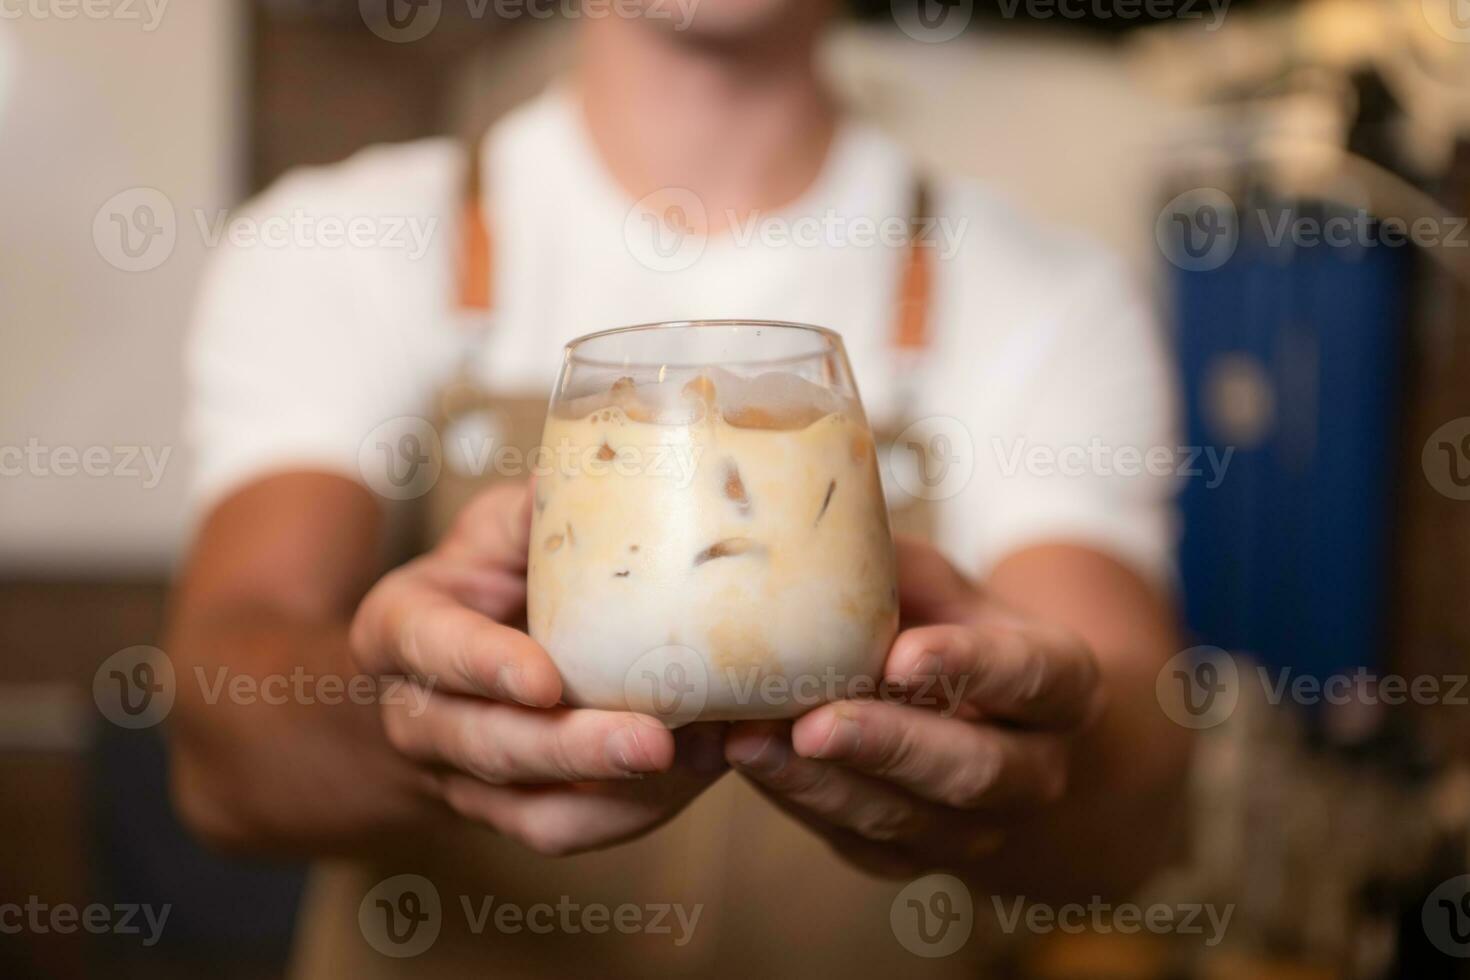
column 474, row 731
column 269, row 588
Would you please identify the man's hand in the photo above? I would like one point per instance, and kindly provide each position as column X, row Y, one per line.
column 975, row 735
column 485, row 725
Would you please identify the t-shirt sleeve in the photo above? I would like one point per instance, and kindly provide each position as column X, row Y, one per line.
column 1073, row 422
column 300, row 350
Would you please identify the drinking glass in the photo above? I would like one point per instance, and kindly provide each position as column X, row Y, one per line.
column 709, row 539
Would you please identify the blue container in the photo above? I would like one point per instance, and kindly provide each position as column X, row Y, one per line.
column 1290, row 355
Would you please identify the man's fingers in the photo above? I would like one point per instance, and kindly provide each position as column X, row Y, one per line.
column 409, row 625
column 493, row 529
column 568, row 819
column 955, row 763
column 1012, row 671
column 505, row 743
column 763, row 753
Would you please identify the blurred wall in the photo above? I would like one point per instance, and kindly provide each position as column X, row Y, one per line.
column 88, row 351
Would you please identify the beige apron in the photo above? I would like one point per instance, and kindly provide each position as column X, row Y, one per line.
column 774, row 900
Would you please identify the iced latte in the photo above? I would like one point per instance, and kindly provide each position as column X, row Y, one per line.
column 711, row 542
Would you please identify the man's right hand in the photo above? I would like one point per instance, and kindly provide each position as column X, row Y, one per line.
column 485, row 726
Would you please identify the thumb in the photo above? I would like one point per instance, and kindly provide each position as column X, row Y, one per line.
column 493, row 529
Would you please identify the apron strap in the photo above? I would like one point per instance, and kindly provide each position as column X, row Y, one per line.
column 916, row 286
column 476, row 259
column 475, row 256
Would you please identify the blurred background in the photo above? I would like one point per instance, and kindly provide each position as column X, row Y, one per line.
column 1337, row 545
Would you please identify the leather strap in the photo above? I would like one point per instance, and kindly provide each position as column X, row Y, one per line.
column 917, row 285
column 476, row 285
column 911, row 333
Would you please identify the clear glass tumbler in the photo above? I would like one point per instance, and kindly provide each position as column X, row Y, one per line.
column 710, row 539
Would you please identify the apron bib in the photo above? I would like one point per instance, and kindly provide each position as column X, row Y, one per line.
column 773, row 899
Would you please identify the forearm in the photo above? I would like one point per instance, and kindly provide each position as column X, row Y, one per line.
column 277, row 743
column 258, row 638
column 1122, row 816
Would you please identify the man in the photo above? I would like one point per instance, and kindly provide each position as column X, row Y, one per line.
column 1056, row 775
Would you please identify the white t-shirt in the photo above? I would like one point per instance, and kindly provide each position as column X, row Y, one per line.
column 1043, row 358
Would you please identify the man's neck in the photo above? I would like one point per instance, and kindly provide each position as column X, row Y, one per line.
column 745, row 130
